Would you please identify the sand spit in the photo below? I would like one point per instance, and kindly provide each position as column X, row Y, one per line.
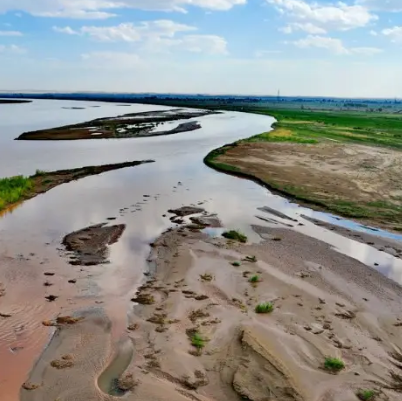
column 90, row 245
column 133, row 125
column 44, row 181
column 196, row 335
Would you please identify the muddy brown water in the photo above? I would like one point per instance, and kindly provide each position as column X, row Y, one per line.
column 31, row 235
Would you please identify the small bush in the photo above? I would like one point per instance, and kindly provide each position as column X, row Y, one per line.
column 252, row 259
column 235, row 235
column 197, row 341
column 266, row 307
column 334, row 364
column 236, row 264
column 366, row 395
column 254, row 279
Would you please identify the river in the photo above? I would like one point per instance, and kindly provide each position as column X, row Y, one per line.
column 31, row 234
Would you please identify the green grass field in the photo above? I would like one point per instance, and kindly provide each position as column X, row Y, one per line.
column 313, row 126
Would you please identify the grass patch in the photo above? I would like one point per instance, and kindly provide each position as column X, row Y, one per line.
column 13, row 189
column 39, row 173
column 252, row 259
column 235, row 235
column 265, row 307
column 334, row 364
column 366, row 395
column 236, row 264
column 198, row 341
column 254, row 279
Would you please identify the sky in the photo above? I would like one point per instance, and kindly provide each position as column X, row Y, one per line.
column 351, row 48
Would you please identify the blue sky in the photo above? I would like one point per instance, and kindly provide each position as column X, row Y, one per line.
column 302, row 47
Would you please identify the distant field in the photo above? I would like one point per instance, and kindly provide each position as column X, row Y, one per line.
column 369, row 128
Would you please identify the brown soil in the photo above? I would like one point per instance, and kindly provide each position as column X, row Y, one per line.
column 325, row 305
column 90, row 245
column 326, row 173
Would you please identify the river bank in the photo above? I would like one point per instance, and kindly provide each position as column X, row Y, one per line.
column 350, row 171
column 15, row 190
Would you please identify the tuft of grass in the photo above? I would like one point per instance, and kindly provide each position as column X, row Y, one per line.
column 236, row 264
column 13, row 189
column 197, row 341
column 251, row 259
column 265, row 307
column 334, row 364
column 254, row 279
column 366, row 395
column 39, row 173
column 235, row 235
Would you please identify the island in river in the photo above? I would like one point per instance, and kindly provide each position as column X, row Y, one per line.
column 133, row 125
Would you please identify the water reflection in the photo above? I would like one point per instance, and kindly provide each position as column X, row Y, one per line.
column 47, row 218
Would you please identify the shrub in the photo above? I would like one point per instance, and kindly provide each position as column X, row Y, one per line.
column 366, row 395
column 334, row 364
column 235, row 235
column 266, row 307
column 197, row 341
column 254, row 279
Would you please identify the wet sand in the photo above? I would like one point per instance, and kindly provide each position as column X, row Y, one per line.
column 325, row 305
column 44, row 181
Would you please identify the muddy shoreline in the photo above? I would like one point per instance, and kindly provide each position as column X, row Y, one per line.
column 201, row 299
column 44, row 181
column 133, row 125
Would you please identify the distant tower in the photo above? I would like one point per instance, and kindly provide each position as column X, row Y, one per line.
column 279, row 95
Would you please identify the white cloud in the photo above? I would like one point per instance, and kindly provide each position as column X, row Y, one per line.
column 334, row 46
column 10, row 33
column 339, row 16
column 155, row 36
column 395, row 33
column 67, row 30
column 382, row 5
column 102, row 9
column 305, row 27
column 129, row 32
